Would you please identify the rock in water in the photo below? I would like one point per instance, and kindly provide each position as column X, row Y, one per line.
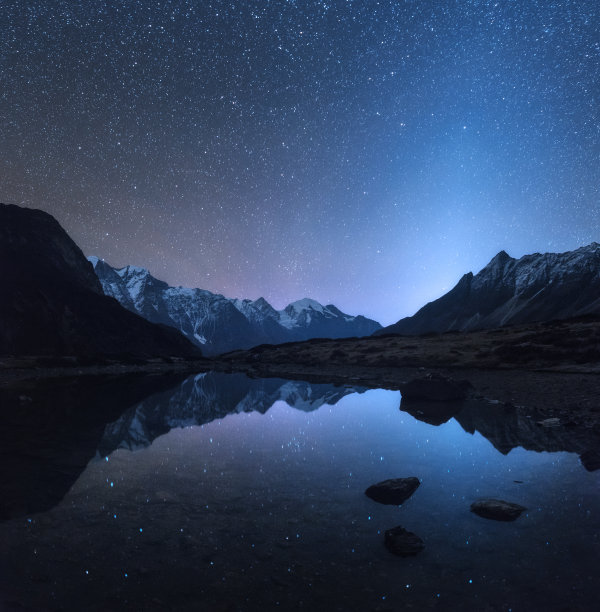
column 402, row 542
column 435, row 387
column 497, row 509
column 590, row 460
column 394, row 491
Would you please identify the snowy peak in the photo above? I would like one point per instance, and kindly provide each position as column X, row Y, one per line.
column 132, row 271
column 536, row 287
column 262, row 304
column 219, row 324
column 257, row 309
column 304, row 304
column 307, row 312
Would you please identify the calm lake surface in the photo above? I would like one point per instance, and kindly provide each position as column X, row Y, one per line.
column 220, row 492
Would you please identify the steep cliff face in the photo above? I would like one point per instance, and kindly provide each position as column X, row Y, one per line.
column 52, row 302
column 538, row 287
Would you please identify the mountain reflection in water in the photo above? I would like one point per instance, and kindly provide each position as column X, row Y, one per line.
column 247, row 494
column 205, row 397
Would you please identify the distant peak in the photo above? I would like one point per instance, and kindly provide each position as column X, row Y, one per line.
column 263, row 306
column 132, row 270
column 501, row 256
column 306, row 304
column 93, row 260
column 499, row 260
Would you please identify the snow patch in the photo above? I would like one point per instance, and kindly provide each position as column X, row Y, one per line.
column 131, row 270
column 306, row 304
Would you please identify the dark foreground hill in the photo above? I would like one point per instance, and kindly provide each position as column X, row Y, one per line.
column 508, row 291
column 51, row 302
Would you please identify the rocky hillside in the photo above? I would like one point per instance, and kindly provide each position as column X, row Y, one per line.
column 538, row 287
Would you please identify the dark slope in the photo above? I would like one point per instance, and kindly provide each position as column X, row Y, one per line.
column 53, row 304
column 538, row 287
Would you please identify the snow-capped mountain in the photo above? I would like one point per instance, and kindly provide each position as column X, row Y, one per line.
column 202, row 398
column 538, row 287
column 219, row 324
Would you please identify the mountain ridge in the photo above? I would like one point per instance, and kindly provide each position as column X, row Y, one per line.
column 535, row 287
column 219, row 324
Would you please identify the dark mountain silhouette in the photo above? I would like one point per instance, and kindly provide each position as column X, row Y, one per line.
column 538, row 287
column 53, row 304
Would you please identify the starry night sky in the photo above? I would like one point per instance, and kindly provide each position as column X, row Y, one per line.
column 358, row 152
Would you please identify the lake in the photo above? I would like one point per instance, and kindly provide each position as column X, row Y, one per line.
column 221, row 492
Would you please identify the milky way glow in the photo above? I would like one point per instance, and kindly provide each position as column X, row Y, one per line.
column 357, row 152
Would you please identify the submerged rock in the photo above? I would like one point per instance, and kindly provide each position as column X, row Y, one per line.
column 435, row 387
column 402, row 542
column 394, row 491
column 497, row 509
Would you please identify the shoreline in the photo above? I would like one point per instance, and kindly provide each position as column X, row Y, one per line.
column 568, row 395
column 551, row 368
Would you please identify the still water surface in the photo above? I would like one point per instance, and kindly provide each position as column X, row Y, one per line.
column 230, row 494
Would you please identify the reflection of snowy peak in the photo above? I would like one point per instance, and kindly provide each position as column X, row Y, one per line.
column 538, row 287
column 205, row 397
column 219, row 324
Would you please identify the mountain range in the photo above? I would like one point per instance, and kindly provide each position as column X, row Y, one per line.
column 54, row 302
column 537, row 287
column 218, row 324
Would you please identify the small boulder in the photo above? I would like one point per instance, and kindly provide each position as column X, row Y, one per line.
column 402, row 542
column 435, row 387
column 497, row 509
column 590, row 460
column 553, row 422
column 394, row 491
